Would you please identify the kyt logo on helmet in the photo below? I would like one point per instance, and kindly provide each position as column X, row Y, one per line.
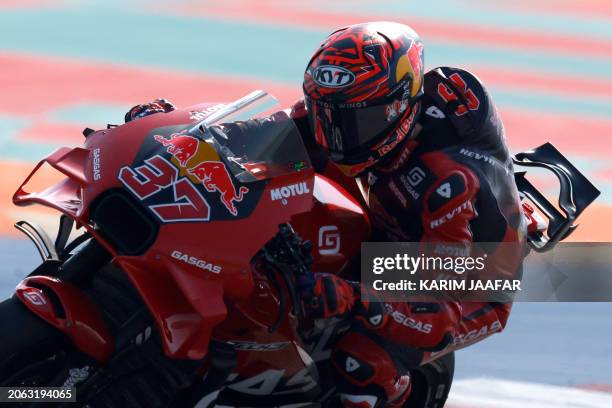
column 332, row 76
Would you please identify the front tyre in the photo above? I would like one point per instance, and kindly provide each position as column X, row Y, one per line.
column 30, row 350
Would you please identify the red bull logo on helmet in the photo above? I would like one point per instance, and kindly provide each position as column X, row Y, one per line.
column 411, row 63
column 214, row 177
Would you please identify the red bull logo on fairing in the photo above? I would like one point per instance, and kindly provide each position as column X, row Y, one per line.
column 182, row 147
column 202, row 165
column 215, row 177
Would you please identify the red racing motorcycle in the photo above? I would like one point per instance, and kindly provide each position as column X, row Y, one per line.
column 171, row 281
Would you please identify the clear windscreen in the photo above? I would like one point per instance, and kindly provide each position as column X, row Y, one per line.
column 247, row 107
column 256, row 147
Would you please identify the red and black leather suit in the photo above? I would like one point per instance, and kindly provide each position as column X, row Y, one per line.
column 452, row 182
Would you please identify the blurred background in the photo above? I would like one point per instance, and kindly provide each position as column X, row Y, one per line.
column 65, row 65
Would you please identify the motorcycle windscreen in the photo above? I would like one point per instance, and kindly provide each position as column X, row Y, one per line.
column 260, row 149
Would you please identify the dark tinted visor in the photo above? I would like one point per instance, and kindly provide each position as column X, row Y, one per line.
column 349, row 129
column 352, row 129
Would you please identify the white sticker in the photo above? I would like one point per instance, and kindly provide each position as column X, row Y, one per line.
column 444, row 190
column 329, row 240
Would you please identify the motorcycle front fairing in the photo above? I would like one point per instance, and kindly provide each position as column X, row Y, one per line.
column 181, row 209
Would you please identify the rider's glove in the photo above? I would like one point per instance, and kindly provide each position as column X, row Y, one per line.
column 328, row 296
column 325, row 295
column 372, row 314
column 156, row 106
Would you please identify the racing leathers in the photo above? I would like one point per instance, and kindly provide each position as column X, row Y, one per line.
column 453, row 182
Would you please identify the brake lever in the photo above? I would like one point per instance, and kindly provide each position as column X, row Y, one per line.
column 281, row 299
column 290, row 257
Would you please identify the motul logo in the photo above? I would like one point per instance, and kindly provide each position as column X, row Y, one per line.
column 289, row 191
column 332, row 76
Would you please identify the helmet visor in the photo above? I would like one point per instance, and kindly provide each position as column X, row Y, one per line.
column 347, row 130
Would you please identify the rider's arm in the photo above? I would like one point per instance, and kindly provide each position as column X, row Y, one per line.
column 448, row 206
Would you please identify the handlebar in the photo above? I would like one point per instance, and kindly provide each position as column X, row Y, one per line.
column 288, row 256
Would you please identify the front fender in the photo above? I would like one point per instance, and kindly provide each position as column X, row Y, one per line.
column 69, row 310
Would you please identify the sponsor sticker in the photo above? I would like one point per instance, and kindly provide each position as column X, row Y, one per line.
column 97, row 175
column 182, row 147
column 415, row 176
column 35, row 298
column 333, row 76
column 329, row 240
column 450, row 215
column 292, row 190
column 192, row 260
column 202, row 114
column 215, row 177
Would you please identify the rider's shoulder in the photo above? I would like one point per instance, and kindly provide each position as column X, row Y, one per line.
column 460, row 96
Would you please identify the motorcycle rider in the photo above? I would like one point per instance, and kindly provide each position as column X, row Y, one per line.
column 428, row 154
